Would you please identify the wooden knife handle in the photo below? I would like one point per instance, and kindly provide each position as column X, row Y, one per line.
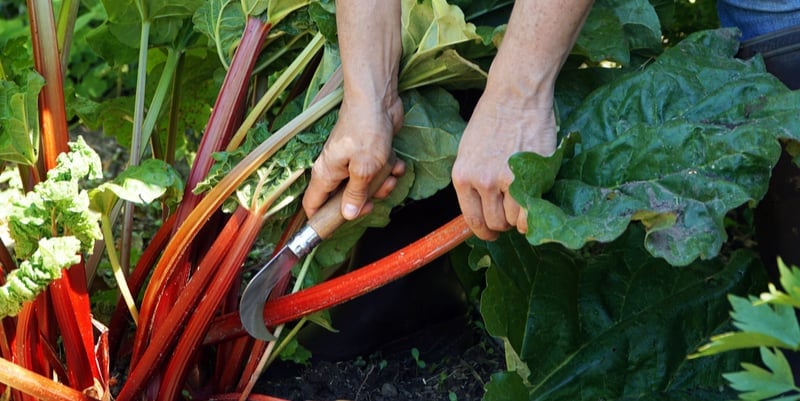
column 329, row 217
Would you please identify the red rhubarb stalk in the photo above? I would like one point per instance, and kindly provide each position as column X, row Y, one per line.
column 37, row 386
column 72, row 311
column 52, row 111
column 168, row 280
column 70, row 296
column 200, row 319
column 350, row 285
column 119, row 320
column 167, row 333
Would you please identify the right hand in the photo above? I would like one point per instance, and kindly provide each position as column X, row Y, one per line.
column 358, row 147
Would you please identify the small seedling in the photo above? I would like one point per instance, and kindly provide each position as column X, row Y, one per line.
column 415, row 354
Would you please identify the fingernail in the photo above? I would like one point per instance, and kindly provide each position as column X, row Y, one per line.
column 350, row 211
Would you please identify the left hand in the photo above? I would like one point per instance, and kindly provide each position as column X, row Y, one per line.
column 499, row 127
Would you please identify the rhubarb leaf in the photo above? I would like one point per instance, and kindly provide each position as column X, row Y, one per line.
column 613, row 323
column 222, row 21
column 51, row 226
column 429, row 138
column 429, row 28
column 277, row 10
column 19, row 120
column 140, row 184
column 58, row 206
column 614, row 28
column 505, row 386
column 674, row 156
column 124, row 22
column 34, row 275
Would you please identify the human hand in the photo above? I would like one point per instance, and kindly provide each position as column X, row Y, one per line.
column 358, row 147
column 501, row 125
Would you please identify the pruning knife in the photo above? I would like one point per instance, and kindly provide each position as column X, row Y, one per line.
column 320, row 226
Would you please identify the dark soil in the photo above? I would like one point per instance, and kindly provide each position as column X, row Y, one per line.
column 456, row 373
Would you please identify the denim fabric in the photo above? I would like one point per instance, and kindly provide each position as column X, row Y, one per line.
column 758, row 17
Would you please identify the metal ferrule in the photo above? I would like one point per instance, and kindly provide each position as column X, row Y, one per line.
column 303, row 241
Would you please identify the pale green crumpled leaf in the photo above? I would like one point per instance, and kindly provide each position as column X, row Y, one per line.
column 431, row 28
column 674, row 146
column 35, row 274
column 58, row 206
column 140, row 184
column 277, row 10
column 19, row 120
column 79, row 163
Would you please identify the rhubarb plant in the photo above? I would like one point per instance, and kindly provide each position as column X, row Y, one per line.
column 624, row 270
column 651, row 177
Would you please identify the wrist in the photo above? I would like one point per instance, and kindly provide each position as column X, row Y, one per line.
column 514, row 82
column 371, row 94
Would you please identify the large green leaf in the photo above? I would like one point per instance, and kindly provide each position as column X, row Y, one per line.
column 19, row 120
column 125, row 17
column 615, row 325
column 429, row 138
column 614, row 28
column 430, row 29
column 222, row 21
column 675, row 147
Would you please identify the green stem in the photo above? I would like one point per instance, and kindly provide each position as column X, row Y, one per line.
column 277, row 55
column 122, row 282
column 160, row 95
column 65, row 25
column 217, row 28
column 174, row 112
column 277, row 88
column 141, row 85
column 136, row 141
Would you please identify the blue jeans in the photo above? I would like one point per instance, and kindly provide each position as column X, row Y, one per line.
column 758, row 17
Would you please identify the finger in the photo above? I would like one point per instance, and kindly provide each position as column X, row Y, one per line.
column 356, row 192
column 512, row 209
column 470, row 202
column 320, row 186
column 399, row 168
column 522, row 221
column 494, row 211
column 389, row 184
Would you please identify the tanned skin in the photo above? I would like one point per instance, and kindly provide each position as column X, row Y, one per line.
column 514, row 114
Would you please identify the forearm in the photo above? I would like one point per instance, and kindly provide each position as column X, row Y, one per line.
column 370, row 44
column 538, row 39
